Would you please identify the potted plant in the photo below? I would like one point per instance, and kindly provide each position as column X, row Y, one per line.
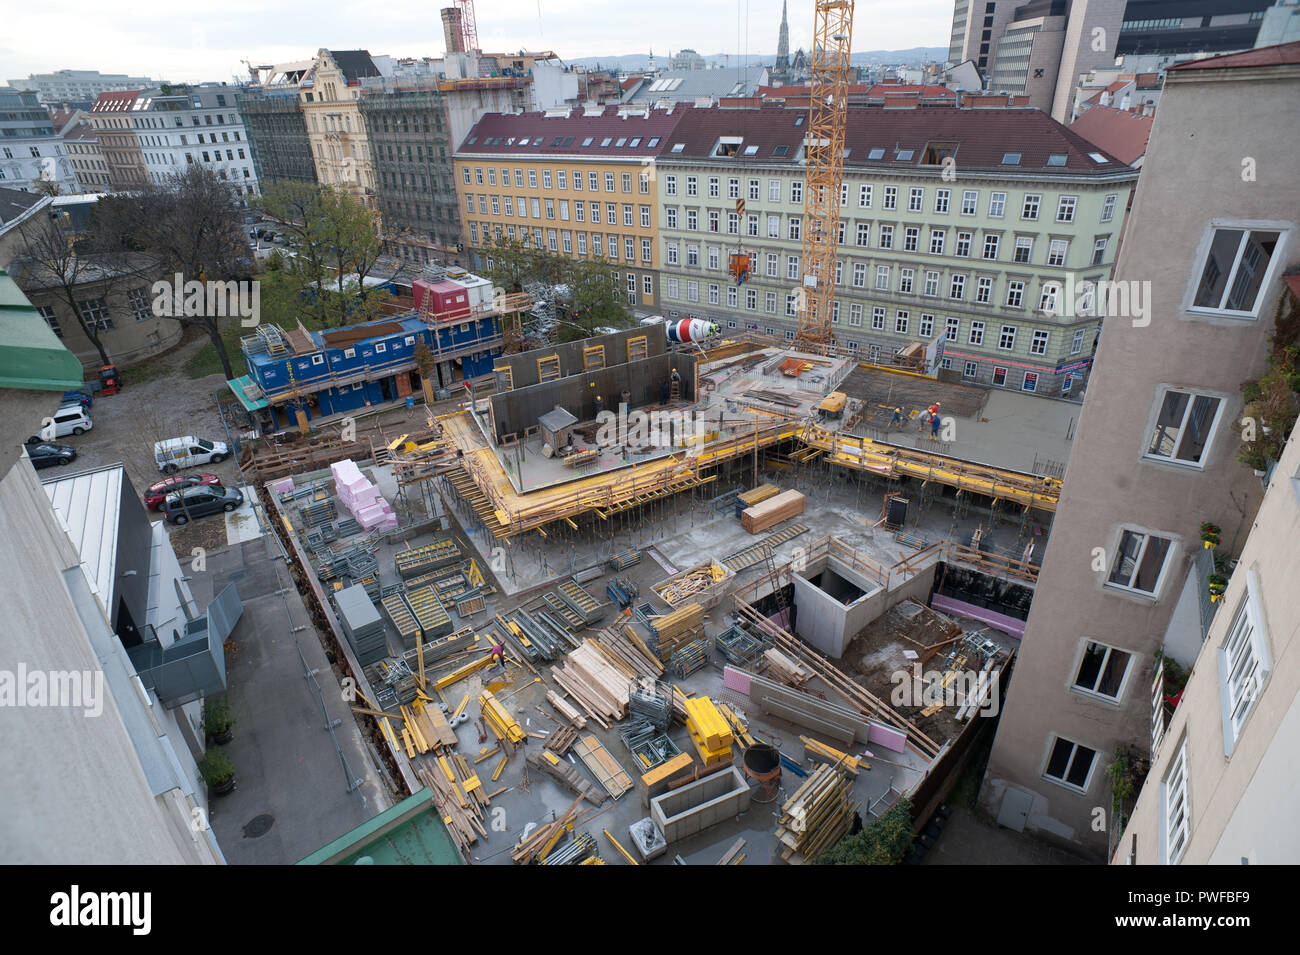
column 1217, row 585
column 217, row 721
column 1210, row 534
column 218, row 772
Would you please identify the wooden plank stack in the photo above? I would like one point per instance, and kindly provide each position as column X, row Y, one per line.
column 565, row 775
column 503, row 725
column 462, row 822
column 542, row 836
column 781, row 667
column 755, row 496
column 594, row 682
column 771, row 512
column 603, row 766
column 817, row 815
column 566, row 709
column 626, row 656
column 675, row 628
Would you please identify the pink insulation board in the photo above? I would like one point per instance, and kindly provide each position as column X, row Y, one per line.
column 734, row 679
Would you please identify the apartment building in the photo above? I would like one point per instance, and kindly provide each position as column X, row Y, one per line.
column 328, row 96
column 81, row 143
column 579, row 183
column 1221, row 787
column 32, row 153
column 973, row 257
column 77, row 87
column 1210, row 235
column 277, row 128
column 113, row 114
column 180, row 126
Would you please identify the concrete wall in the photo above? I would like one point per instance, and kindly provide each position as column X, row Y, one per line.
column 830, row 625
column 523, row 367
column 1208, row 121
column 698, row 805
column 513, row 411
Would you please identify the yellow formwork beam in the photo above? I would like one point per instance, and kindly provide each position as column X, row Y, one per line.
column 621, row 851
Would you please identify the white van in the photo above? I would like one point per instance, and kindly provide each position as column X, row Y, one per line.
column 70, row 419
column 188, row 452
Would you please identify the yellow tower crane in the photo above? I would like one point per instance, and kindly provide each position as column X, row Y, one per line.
column 824, row 155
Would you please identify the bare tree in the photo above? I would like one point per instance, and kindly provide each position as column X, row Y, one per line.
column 192, row 226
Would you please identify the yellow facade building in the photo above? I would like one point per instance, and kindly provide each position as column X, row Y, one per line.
column 329, row 97
column 578, row 183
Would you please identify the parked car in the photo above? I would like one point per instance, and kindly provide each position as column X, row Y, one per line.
column 69, row 419
column 78, row 397
column 156, row 493
column 45, row 455
column 179, row 506
column 188, row 452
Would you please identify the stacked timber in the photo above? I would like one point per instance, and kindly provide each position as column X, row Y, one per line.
column 771, row 512
column 633, row 658
column 543, row 837
column 673, row 629
column 565, row 775
column 599, row 687
column 780, row 667
column 462, row 821
column 817, row 816
column 755, row 496
column 566, row 709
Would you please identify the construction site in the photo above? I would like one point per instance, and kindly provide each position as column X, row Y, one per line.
column 734, row 639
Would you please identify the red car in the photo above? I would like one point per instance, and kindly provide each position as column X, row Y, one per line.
column 156, row 493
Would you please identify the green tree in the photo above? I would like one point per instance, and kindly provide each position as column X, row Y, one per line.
column 883, row 841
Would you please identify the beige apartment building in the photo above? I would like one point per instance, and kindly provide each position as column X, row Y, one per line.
column 1214, row 228
column 329, row 97
column 1221, row 790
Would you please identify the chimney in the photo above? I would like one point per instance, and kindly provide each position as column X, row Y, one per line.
column 451, row 30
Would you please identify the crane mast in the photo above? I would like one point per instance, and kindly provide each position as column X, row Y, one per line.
column 824, row 157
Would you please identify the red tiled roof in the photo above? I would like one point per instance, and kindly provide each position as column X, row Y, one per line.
column 82, row 132
column 630, row 82
column 859, row 90
column 1120, row 132
column 504, row 133
column 1284, row 54
column 115, row 101
column 983, row 136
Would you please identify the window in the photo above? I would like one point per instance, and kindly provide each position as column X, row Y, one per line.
column 1025, row 250
column 629, row 248
column 692, row 291
column 95, row 314
column 672, row 288
column 595, row 212
column 792, row 267
column 1102, row 670
column 859, row 275
column 891, row 197
column 962, row 249
column 732, row 296
column 901, row 322
column 911, row 235
column 1176, row 824
column 864, row 197
column 997, row 205
column 609, row 182
column 626, row 179
column 733, row 224
column 1076, row 343
column 905, row 280
column 999, row 376
column 1183, row 427
column 774, row 190
column 137, row 300
column 969, row 200
column 1243, row 665
column 970, row 369
column 751, row 225
column 751, row 299
column 796, row 191
column 582, row 240
column 733, row 188
column 976, row 336
column 1015, row 294
column 773, row 265
column 643, row 183
column 882, row 278
column 519, row 177
column 991, row 246
column 646, row 251
column 465, row 174
column 713, row 293
column 1070, row 764
column 1108, row 208
column 532, row 179
column 927, row 326
column 957, row 287
column 670, row 253
column 692, row 255
column 951, row 329
column 692, row 220
column 754, row 190
column 550, row 240
column 1029, row 210
column 670, row 217
column 713, row 220
column 1139, row 562
column 855, row 314
column 863, row 234
column 1007, row 338
column 983, row 290
column 796, row 227
column 550, row 208
column 670, row 185
column 769, row 302
column 1038, row 344
column 627, row 216
column 1065, row 207
column 886, row 237
column 789, row 308
column 914, row 200
column 941, row 197
column 645, row 217
column 51, row 319
column 878, row 318
column 937, row 237
column 1099, row 249
column 714, row 257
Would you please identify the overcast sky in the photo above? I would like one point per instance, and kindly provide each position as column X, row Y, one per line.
column 195, row 42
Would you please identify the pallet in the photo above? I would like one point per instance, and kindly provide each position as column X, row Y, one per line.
column 603, row 766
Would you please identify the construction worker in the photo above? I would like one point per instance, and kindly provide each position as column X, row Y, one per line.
column 896, row 420
column 934, row 427
column 499, row 655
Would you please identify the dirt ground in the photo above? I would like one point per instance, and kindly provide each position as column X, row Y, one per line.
column 881, row 392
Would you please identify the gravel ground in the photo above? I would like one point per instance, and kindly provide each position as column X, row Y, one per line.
column 127, row 425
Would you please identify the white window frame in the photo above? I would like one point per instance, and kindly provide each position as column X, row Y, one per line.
column 1244, row 663
column 1063, row 781
column 1117, row 542
column 1203, row 252
column 1093, row 691
column 1211, row 433
column 1175, row 809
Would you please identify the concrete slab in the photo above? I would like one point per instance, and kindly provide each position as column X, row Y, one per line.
column 242, row 523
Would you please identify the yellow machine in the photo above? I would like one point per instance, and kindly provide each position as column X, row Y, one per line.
column 832, row 406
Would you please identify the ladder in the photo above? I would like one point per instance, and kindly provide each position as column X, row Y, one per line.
column 778, row 594
column 675, row 390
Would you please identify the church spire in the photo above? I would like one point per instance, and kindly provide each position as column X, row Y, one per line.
column 782, row 67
